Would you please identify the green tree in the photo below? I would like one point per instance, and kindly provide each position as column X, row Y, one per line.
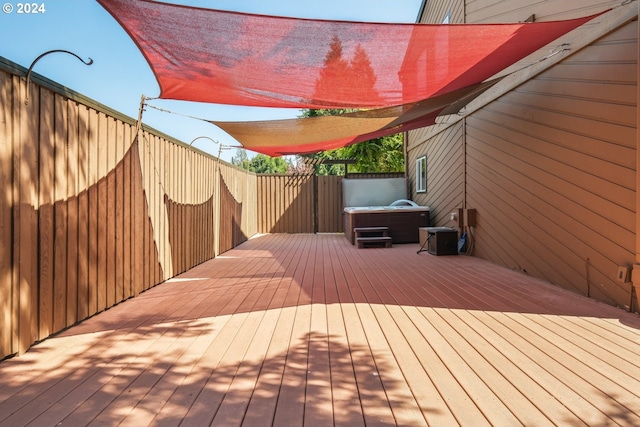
column 384, row 154
column 340, row 76
column 362, row 77
column 240, row 159
column 334, row 75
column 262, row 163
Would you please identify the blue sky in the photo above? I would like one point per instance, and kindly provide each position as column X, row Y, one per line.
column 120, row 74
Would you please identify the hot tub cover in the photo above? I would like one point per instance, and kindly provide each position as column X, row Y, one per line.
column 226, row 57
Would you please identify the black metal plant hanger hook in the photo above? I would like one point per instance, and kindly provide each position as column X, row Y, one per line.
column 89, row 62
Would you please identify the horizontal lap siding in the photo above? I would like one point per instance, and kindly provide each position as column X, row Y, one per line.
column 90, row 216
column 551, row 171
column 550, row 166
column 437, row 10
column 445, row 173
column 544, row 10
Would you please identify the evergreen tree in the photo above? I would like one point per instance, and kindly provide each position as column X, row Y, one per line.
column 340, row 76
column 332, row 80
column 362, row 78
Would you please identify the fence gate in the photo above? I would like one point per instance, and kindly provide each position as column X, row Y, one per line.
column 329, row 204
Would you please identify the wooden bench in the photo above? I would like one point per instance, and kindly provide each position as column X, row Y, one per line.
column 366, row 236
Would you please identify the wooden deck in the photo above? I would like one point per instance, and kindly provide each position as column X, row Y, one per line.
column 293, row 330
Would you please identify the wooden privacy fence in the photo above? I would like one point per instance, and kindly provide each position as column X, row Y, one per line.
column 91, row 215
column 304, row 204
column 285, row 204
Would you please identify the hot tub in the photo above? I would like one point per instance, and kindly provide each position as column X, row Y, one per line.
column 403, row 219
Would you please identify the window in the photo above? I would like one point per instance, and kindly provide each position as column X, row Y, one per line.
column 421, row 175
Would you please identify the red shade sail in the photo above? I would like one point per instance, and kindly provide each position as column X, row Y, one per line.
column 237, row 58
column 404, row 74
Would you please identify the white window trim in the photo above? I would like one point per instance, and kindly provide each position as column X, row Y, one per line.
column 421, row 174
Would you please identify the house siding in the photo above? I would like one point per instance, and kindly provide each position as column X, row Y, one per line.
column 550, row 167
column 500, row 11
column 436, row 11
column 445, row 173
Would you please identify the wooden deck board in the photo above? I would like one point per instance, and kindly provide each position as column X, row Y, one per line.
column 515, row 368
column 573, row 391
column 262, row 406
column 524, row 398
column 492, row 394
column 238, row 395
column 293, row 330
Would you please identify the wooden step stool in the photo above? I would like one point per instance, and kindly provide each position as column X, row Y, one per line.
column 372, row 235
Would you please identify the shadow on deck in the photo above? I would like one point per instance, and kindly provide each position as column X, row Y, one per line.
column 292, row 330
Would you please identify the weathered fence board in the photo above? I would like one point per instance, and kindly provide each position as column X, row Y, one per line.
column 6, row 204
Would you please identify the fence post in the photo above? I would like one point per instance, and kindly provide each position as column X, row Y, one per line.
column 315, row 203
column 216, row 225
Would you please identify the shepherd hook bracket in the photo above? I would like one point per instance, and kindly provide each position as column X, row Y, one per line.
column 89, row 62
